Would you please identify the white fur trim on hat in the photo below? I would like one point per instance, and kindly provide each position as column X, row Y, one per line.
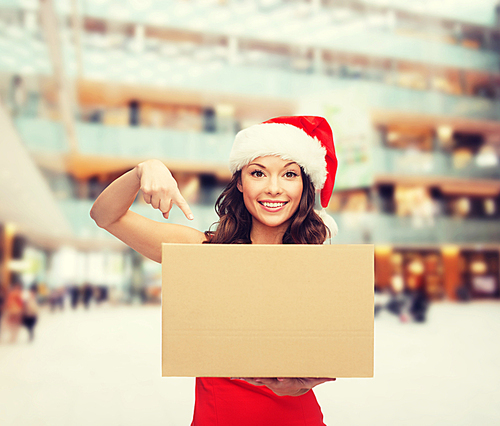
column 284, row 140
column 329, row 222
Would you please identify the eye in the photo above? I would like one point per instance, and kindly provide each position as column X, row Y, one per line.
column 257, row 173
column 291, row 174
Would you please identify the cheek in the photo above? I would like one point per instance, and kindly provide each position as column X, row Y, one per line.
column 297, row 192
column 250, row 188
column 248, row 194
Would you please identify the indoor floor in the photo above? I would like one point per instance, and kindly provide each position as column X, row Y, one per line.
column 102, row 367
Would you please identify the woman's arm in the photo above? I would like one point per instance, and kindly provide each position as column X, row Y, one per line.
column 111, row 210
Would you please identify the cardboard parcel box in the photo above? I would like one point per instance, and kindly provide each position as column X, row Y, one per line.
column 238, row 310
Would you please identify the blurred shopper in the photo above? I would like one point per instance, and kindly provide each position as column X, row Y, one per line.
column 14, row 306
column 74, row 294
column 2, row 303
column 381, row 300
column 56, row 299
column 30, row 311
column 419, row 305
column 397, row 305
column 18, row 95
column 134, row 113
column 101, row 294
column 276, row 166
column 399, row 301
column 87, row 294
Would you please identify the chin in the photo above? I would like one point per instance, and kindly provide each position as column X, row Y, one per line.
column 276, row 223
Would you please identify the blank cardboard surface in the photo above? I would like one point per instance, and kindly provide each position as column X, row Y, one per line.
column 237, row 310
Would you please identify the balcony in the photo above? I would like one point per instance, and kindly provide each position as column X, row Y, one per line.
column 353, row 229
column 146, row 142
column 78, row 214
column 436, row 163
column 340, row 29
column 255, row 73
column 480, row 13
column 213, row 148
column 390, row 229
column 131, row 142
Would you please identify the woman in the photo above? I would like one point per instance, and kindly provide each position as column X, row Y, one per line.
column 14, row 306
column 30, row 312
column 276, row 166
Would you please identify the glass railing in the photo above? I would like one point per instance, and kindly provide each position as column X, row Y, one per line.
column 387, row 44
column 481, row 13
column 285, row 24
column 42, row 135
column 214, row 148
column 390, row 229
column 353, row 228
column 78, row 214
column 426, row 102
column 149, row 142
column 277, row 83
column 24, row 53
column 262, row 80
column 140, row 142
column 436, row 163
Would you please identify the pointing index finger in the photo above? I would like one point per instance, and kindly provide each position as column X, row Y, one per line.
column 183, row 205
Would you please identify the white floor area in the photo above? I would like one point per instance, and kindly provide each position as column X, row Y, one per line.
column 102, row 367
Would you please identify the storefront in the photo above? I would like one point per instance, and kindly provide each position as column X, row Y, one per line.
column 442, row 272
column 480, row 274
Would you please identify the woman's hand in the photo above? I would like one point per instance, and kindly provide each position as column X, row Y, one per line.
column 111, row 210
column 295, row 386
column 160, row 189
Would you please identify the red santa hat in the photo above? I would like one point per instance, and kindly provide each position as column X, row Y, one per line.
column 307, row 140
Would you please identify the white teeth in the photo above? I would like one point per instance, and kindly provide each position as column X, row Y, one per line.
column 273, row 204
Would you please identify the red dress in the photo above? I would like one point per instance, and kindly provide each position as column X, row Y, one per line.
column 226, row 402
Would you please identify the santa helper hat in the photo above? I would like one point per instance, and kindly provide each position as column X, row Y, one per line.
column 307, row 140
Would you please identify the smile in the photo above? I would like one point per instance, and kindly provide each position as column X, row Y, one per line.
column 273, row 205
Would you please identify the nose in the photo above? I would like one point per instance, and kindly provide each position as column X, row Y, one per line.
column 273, row 186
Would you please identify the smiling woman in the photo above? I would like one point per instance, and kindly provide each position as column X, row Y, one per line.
column 272, row 189
column 270, row 201
column 277, row 166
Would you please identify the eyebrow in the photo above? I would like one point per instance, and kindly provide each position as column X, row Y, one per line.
column 285, row 166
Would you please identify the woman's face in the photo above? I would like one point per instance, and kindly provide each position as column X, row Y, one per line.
column 272, row 188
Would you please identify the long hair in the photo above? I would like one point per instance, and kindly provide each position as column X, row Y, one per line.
column 235, row 222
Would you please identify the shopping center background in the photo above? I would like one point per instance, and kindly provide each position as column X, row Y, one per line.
column 91, row 88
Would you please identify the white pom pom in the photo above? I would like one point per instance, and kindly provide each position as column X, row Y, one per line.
column 329, row 222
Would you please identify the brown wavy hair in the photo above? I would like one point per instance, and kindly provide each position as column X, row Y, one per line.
column 235, row 222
